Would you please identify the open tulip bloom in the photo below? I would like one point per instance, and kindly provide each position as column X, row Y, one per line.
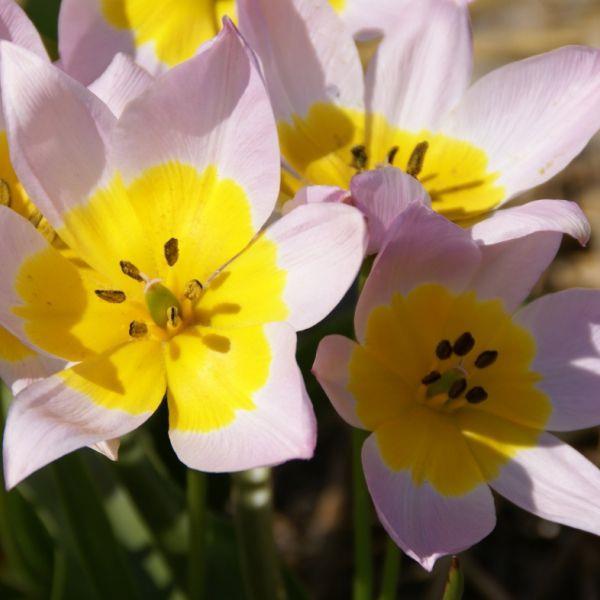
column 472, row 148
column 122, row 81
column 170, row 281
column 459, row 385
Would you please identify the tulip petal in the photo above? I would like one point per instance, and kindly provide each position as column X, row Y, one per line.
column 307, row 54
column 197, row 115
column 16, row 27
column 381, row 195
column 122, row 81
column 57, row 130
column 20, row 365
column 424, row 523
column 296, row 271
column 237, row 399
column 421, row 72
column 316, row 194
column 367, row 20
column 532, row 117
column 331, row 368
column 566, row 327
column 518, row 244
column 99, row 399
column 555, row 482
column 420, row 247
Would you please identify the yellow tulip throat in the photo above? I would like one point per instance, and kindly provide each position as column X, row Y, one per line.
column 175, row 28
column 444, row 380
column 331, row 144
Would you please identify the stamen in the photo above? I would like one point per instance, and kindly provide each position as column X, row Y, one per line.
column 392, row 154
column 172, row 251
column 431, row 378
column 443, row 350
column 113, row 296
column 130, row 270
column 476, row 395
column 5, row 195
column 193, row 290
column 359, row 157
column 36, row 218
column 417, row 158
column 463, row 344
column 173, row 318
column 485, row 359
column 138, row 329
column 457, row 388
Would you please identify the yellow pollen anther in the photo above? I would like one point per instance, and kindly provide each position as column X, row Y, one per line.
column 138, row 329
column 417, row 158
column 173, row 318
column 130, row 270
column 193, row 290
column 172, row 251
column 112, row 296
column 5, row 195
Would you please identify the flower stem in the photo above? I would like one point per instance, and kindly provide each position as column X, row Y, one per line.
column 253, row 513
column 363, row 566
column 196, row 500
column 391, row 571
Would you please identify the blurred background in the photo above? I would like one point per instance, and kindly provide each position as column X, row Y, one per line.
column 76, row 529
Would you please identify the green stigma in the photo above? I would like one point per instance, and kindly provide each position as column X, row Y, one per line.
column 159, row 300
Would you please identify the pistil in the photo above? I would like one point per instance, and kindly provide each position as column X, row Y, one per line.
column 160, row 301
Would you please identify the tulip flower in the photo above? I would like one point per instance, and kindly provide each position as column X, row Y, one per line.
column 473, row 148
column 458, row 385
column 176, row 286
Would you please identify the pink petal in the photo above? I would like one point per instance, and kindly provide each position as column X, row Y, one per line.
column 566, row 327
column 518, row 244
column 307, row 54
column 425, row 524
column 313, row 194
column 58, row 132
column 421, row 71
column 122, row 81
column 82, row 406
column 421, row 247
column 86, row 42
column 321, row 248
column 554, row 482
column 368, row 20
column 282, row 427
column 331, row 370
column 382, row 194
column 534, row 116
column 212, row 110
column 16, row 27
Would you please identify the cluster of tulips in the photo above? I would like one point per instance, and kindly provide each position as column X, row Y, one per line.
column 191, row 184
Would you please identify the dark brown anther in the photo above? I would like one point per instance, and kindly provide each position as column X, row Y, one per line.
column 457, row 388
column 443, row 350
column 130, row 270
column 193, row 290
column 112, row 296
column 463, row 344
column 431, row 378
column 359, row 157
column 485, row 359
column 5, row 195
column 417, row 158
column 173, row 318
column 476, row 395
column 172, row 251
column 391, row 156
column 138, row 329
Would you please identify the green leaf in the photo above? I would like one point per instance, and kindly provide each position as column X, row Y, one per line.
column 455, row 583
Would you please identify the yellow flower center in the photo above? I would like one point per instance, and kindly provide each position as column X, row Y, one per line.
column 175, row 28
column 330, row 145
column 445, row 382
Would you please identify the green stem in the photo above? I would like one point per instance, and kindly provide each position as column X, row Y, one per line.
column 391, row 571
column 196, row 500
column 253, row 513
column 363, row 565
